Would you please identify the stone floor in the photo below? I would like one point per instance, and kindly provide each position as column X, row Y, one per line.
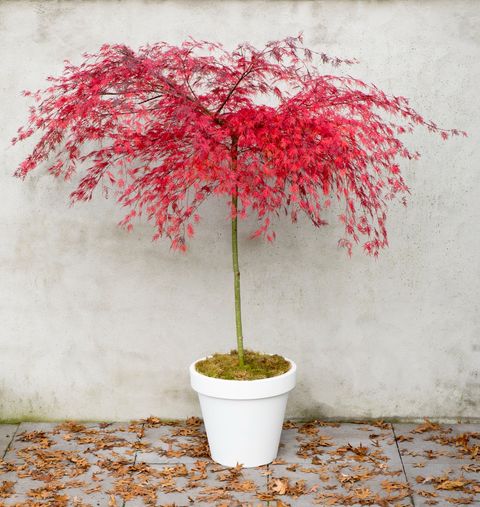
column 152, row 462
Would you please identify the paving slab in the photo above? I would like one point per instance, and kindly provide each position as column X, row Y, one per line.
column 442, row 462
column 93, row 441
column 6, row 435
column 94, row 488
column 173, row 443
column 338, row 462
column 201, row 483
column 428, row 484
column 302, row 442
column 339, row 484
column 441, row 443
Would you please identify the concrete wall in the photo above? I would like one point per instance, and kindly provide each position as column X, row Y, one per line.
column 100, row 324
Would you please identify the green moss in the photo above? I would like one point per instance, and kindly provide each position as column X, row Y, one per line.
column 257, row 366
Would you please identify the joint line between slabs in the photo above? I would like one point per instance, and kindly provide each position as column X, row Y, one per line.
column 139, row 439
column 267, row 480
column 11, row 440
column 403, row 466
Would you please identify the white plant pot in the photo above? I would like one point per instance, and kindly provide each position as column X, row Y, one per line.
column 243, row 418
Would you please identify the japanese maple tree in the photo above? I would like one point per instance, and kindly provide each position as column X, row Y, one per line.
column 168, row 126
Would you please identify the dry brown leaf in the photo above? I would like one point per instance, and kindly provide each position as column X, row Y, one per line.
column 265, row 496
column 466, row 500
column 362, row 493
column 471, row 468
column 279, row 486
column 404, row 438
column 453, row 484
column 394, row 485
column 6, row 489
column 426, row 494
column 309, row 428
column 382, row 425
column 427, row 425
column 70, row 427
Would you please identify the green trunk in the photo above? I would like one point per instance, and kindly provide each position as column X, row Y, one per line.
column 236, row 269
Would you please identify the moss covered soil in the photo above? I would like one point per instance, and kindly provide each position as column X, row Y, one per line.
column 257, row 366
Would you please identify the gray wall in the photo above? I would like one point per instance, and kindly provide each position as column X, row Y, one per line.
column 100, row 324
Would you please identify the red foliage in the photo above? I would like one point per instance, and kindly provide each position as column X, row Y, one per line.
column 170, row 125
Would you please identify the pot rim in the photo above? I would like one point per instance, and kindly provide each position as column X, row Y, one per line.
column 243, row 389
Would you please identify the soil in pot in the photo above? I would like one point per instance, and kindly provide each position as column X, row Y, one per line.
column 257, row 366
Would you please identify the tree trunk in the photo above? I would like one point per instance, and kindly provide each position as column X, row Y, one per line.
column 236, row 269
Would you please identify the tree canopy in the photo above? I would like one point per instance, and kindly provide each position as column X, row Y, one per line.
column 168, row 126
